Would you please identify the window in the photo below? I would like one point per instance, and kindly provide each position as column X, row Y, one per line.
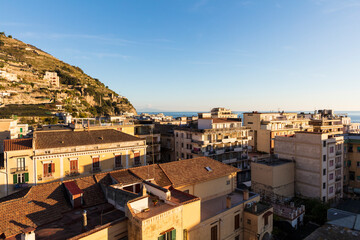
column 74, row 166
column 323, row 199
column 137, row 159
column 47, row 152
column 21, row 164
column 324, row 172
column 237, row 237
column 182, row 145
column 350, row 149
column 250, row 123
column 331, row 176
column 358, row 164
column 349, row 163
column 96, row 163
column 49, row 169
column 324, row 158
column 186, row 191
column 331, row 189
column 324, row 143
column 21, row 178
column 182, row 156
column 214, row 233
column 228, row 182
column 118, row 161
column 352, row 175
column 168, row 235
column 358, row 149
column 331, row 149
column 237, row 221
column 331, row 163
column 324, row 185
column 249, row 221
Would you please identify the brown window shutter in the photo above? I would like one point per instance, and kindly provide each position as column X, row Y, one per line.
column 53, row 167
column 46, row 168
column 137, row 154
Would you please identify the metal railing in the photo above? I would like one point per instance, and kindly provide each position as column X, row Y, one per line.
column 18, row 169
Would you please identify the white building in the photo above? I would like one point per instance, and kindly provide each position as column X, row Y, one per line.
column 52, row 79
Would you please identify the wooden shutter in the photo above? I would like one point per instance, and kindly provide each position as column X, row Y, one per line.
column 52, row 167
column 161, row 237
column 173, row 234
column 46, row 169
column 137, row 154
column 15, row 178
column 26, row 177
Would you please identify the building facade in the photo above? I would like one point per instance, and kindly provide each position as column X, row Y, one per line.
column 225, row 140
column 318, row 159
column 266, row 126
column 352, row 163
column 52, row 78
column 52, row 155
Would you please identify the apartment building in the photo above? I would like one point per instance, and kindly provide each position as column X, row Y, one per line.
column 146, row 130
column 225, row 140
column 167, row 142
column 222, row 113
column 352, row 163
column 188, row 199
column 10, row 129
column 273, row 178
column 265, row 126
column 52, row 155
column 318, row 157
column 52, row 78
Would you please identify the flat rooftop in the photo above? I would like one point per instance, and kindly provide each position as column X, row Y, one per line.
column 70, row 225
column 260, row 208
column 217, row 205
column 272, row 161
column 154, row 210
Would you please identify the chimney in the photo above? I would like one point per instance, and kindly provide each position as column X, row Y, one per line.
column 144, row 190
column 28, row 234
column 254, row 207
column 84, row 226
column 246, row 194
column 228, row 201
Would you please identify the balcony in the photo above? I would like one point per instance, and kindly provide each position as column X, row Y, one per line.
column 338, row 191
column 220, row 151
column 238, row 149
column 196, row 151
column 229, row 140
column 338, row 165
column 338, row 178
column 338, row 153
column 18, row 170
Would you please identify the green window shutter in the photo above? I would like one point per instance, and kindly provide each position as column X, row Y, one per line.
column 15, row 178
column 26, row 177
column 173, row 234
column 20, row 129
column 162, row 237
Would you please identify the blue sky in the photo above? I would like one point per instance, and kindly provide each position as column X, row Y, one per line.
column 187, row 55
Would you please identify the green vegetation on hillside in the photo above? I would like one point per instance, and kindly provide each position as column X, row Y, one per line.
column 85, row 95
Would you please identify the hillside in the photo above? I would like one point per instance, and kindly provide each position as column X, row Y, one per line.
column 22, row 82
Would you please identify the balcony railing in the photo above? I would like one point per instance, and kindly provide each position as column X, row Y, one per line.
column 338, row 153
column 18, row 170
column 338, row 178
column 338, row 165
column 338, row 191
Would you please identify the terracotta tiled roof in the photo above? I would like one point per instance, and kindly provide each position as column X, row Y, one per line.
column 125, row 177
column 152, row 172
column 190, row 171
column 55, row 139
column 93, row 194
column 73, row 188
column 17, row 144
column 42, row 204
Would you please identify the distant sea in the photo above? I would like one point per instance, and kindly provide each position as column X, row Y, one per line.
column 355, row 115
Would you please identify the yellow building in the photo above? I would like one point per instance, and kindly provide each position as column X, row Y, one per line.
column 273, row 178
column 189, row 199
column 352, row 163
column 265, row 126
column 52, row 155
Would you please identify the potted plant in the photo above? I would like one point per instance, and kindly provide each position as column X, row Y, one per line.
column 155, row 201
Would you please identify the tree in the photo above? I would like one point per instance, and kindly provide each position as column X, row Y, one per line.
column 2, row 33
column 1, row 43
column 9, row 36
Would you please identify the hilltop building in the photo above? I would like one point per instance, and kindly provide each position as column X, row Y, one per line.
column 63, row 154
column 52, row 78
column 319, row 159
column 189, row 199
column 12, row 77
